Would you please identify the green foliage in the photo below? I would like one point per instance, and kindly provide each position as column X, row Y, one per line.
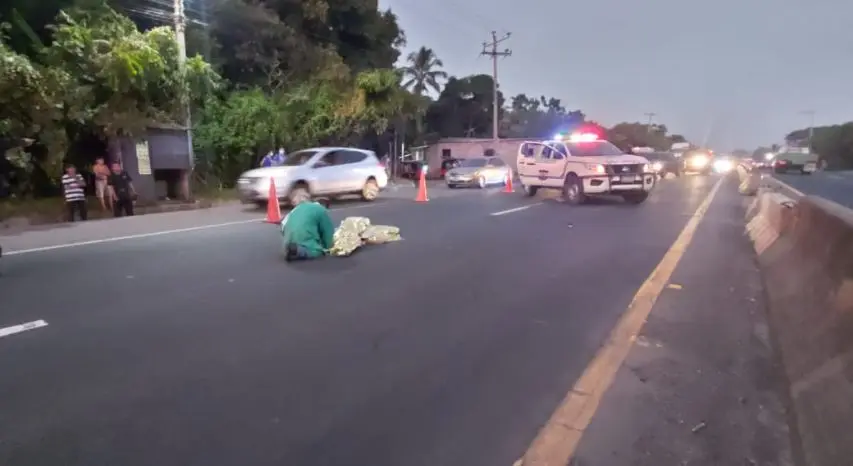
column 99, row 72
column 833, row 143
column 235, row 130
column 540, row 118
column 628, row 135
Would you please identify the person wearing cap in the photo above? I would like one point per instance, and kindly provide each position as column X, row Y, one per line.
column 307, row 231
column 279, row 157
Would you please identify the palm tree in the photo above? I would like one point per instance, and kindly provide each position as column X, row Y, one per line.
column 423, row 74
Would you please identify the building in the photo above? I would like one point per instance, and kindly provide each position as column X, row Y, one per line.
column 159, row 163
column 460, row 148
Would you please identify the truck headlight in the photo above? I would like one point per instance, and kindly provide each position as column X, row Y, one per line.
column 657, row 166
column 596, row 168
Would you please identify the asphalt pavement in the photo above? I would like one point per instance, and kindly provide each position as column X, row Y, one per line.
column 836, row 186
column 191, row 342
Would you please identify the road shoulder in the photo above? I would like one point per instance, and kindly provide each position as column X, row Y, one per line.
column 702, row 384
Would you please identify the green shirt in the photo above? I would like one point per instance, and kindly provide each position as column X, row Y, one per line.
column 309, row 226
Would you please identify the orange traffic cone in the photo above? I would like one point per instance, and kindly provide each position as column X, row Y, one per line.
column 508, row 184
column 273, row 209
column 422, row 189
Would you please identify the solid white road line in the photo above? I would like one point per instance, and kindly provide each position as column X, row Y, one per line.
column 5, row 332
column 517, row 209
column 152, row 234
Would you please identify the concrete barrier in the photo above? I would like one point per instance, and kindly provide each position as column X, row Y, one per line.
column 805, row 250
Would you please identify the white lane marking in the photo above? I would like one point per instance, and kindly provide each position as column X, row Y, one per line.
column 5, row 332
column 152, row 234
column 517, row 209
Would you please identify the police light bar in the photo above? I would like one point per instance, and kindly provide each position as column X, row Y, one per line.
column 583, row 137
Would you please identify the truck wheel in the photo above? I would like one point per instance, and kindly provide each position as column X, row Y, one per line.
column 573, row 190
column 530, row 191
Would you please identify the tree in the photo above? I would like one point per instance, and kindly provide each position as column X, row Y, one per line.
column 253, row 39
column 423, row 72
column 421, row 75
column 99, row 73
column 540, row 118
column 236, row 129
column 834, row 144
column 628, row 135
column 464, row 107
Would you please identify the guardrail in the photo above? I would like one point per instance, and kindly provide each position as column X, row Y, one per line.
column 805, row 251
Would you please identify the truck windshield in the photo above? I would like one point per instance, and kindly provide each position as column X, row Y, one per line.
column 594, row 149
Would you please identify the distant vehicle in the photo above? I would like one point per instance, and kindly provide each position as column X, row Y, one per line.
column 477, row 171
column 583, row 165
column 321, row 171
column 724, row 163
column 802, row 162
column 663, row 163
column 447, row 165
column 697, row 161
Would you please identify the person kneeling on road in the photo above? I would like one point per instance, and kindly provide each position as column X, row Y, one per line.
column 308, row 231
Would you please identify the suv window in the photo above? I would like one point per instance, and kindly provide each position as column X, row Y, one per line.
column 331, row 158
column 351, row 156
column 528, row 150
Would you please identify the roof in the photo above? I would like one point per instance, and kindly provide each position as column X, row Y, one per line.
column 477, row 140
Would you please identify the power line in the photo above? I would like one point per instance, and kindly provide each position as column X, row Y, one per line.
column 491, row 49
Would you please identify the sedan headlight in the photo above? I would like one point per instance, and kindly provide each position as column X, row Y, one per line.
column 699, row 161
column 723, row 166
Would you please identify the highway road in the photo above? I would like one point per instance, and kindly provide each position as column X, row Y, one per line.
column 834, row 185
column 187, row 340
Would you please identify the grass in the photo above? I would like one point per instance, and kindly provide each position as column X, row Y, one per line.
column 50, row 210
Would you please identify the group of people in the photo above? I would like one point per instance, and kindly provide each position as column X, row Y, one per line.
column 273, row 159
column 113, row 188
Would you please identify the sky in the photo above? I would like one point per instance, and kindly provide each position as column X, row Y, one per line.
column 731, row 73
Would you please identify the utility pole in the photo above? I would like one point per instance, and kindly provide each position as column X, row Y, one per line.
column 651, row 116
column 491, row 49
column 181, row 38
column 810, row 114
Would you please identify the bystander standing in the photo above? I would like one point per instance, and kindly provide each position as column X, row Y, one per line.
column 122, row 191
column 73, row 187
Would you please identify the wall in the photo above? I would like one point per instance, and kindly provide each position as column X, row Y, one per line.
column 167, row 150
column 506, row 149
column 144, row 183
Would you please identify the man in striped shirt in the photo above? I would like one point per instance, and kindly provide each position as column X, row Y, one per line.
column 73, row 186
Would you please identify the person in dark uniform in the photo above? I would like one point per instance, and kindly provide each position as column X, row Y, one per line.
column 122, row 191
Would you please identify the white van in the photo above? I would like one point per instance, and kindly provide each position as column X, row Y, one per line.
column 584, row 165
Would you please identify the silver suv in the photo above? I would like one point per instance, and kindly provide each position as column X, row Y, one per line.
column 321, row 171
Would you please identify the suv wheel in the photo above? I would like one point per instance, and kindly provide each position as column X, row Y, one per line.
column 530, row 190
column 573, row 190
column 370, row 191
